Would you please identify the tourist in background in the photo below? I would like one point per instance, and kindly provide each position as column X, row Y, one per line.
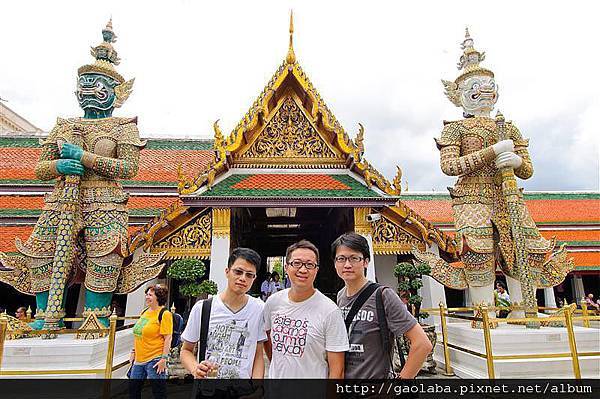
column 21, row 313
column 276, row 284
column 501, row 298
column 591, row 303
column 152, row 344
column 265, row 287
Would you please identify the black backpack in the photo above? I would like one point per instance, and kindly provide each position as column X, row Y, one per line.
column 384, row 331
column 178, row 325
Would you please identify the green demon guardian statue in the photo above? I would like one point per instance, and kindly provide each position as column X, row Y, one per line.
column 81, row 235
column 493, row 226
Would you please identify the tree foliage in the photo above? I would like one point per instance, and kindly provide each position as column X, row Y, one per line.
column 410, row 280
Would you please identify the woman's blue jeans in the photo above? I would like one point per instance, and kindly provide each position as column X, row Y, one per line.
column 141, row 372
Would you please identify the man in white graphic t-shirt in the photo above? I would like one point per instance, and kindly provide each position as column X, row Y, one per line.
column 307, row 335
column 236, row 332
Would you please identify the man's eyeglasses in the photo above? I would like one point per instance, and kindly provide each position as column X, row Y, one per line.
column 354, row 260
column 239, row 272
column 297, row 264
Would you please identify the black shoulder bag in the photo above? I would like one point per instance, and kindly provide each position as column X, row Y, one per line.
column 204, row 322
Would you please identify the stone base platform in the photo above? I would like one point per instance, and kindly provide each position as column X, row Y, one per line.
column 65, row 353
column 517, row 340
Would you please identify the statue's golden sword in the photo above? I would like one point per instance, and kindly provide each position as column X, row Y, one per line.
column 66, row 242
column 511, row 196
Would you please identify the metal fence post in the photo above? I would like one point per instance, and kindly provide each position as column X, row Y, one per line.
column 3, row 328
column 572, row 343
column 584, row 311
column 447, row 367
column 110, row 351
column 489, row 357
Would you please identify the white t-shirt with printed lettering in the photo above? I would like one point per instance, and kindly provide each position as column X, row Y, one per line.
column 302, row 333
column 232, row 337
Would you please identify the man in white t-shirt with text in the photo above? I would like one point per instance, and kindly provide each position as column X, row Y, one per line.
column 236, row 332
column 307, row 335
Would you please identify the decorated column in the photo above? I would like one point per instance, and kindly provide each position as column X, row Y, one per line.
column 219, row 250
column 363, row 227
column 432, row 292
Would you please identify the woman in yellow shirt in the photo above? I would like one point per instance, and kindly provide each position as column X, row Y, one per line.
column 152, row 343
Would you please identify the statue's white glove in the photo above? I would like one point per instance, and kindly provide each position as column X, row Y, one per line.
column 503, row 146
column 506, row 159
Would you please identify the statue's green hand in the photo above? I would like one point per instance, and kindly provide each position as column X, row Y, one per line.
column 69, row 167
column 71, row 151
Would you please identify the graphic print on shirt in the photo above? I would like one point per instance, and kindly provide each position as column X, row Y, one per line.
column 289, row 335
column 229, row 343
column 361, row 315
column 139, row 326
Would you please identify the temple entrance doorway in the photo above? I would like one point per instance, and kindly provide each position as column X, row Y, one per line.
column 269, row 231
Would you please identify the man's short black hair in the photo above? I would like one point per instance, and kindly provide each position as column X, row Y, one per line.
column 354, row 241
column 302, row 244
column 249, row 255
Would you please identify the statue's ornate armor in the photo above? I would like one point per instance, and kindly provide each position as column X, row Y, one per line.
column 112, row 148
column 81, row 235
column 480, row 214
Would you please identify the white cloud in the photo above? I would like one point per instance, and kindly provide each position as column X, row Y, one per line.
column 379, row 64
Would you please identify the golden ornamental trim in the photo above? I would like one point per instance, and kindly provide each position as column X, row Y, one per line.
column 389, row 238
column 15, row 328
column 91, row 323
column 194, row 236
column 289, row 134
column 184, row 253
column 221, row 219
column 361, row 224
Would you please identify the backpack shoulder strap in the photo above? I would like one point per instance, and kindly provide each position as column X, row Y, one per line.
column 204, row 322
column 358, row 303
column 160, row 314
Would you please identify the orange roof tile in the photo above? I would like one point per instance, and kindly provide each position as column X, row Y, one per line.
column 541, row 210
column 21, row 202
column 18, row 163
column 583, row 259
column 572, row 235
column 290, row 182
column 432, row 210
column 8, row 234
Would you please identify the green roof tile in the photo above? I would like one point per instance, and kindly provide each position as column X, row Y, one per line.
column 225, row 189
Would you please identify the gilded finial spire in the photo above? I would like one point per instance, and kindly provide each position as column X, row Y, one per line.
column 291, row 57
column 471, row 58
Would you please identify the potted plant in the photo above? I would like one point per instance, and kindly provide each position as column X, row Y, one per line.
column 410, row 280
column 189, row 272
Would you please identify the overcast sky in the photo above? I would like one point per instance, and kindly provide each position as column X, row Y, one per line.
column 378, row 63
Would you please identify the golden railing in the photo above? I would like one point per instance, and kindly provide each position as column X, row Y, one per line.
column 566, row 316
column 111, row 331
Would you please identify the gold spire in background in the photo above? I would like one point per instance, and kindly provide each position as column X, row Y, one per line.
column 291, row 57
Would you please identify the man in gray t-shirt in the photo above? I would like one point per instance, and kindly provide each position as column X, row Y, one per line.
column 367, row 357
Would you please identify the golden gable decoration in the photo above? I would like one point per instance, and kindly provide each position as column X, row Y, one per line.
column 289, row 136
column 191, row 240
column 388, row 238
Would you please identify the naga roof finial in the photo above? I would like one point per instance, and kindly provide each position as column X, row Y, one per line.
column 291, row 57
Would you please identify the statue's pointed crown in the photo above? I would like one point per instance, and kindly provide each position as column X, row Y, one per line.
column 105, row 55
column 470, row 59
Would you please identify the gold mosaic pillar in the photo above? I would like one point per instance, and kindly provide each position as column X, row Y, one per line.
column 220, row 245
column 363, row 227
